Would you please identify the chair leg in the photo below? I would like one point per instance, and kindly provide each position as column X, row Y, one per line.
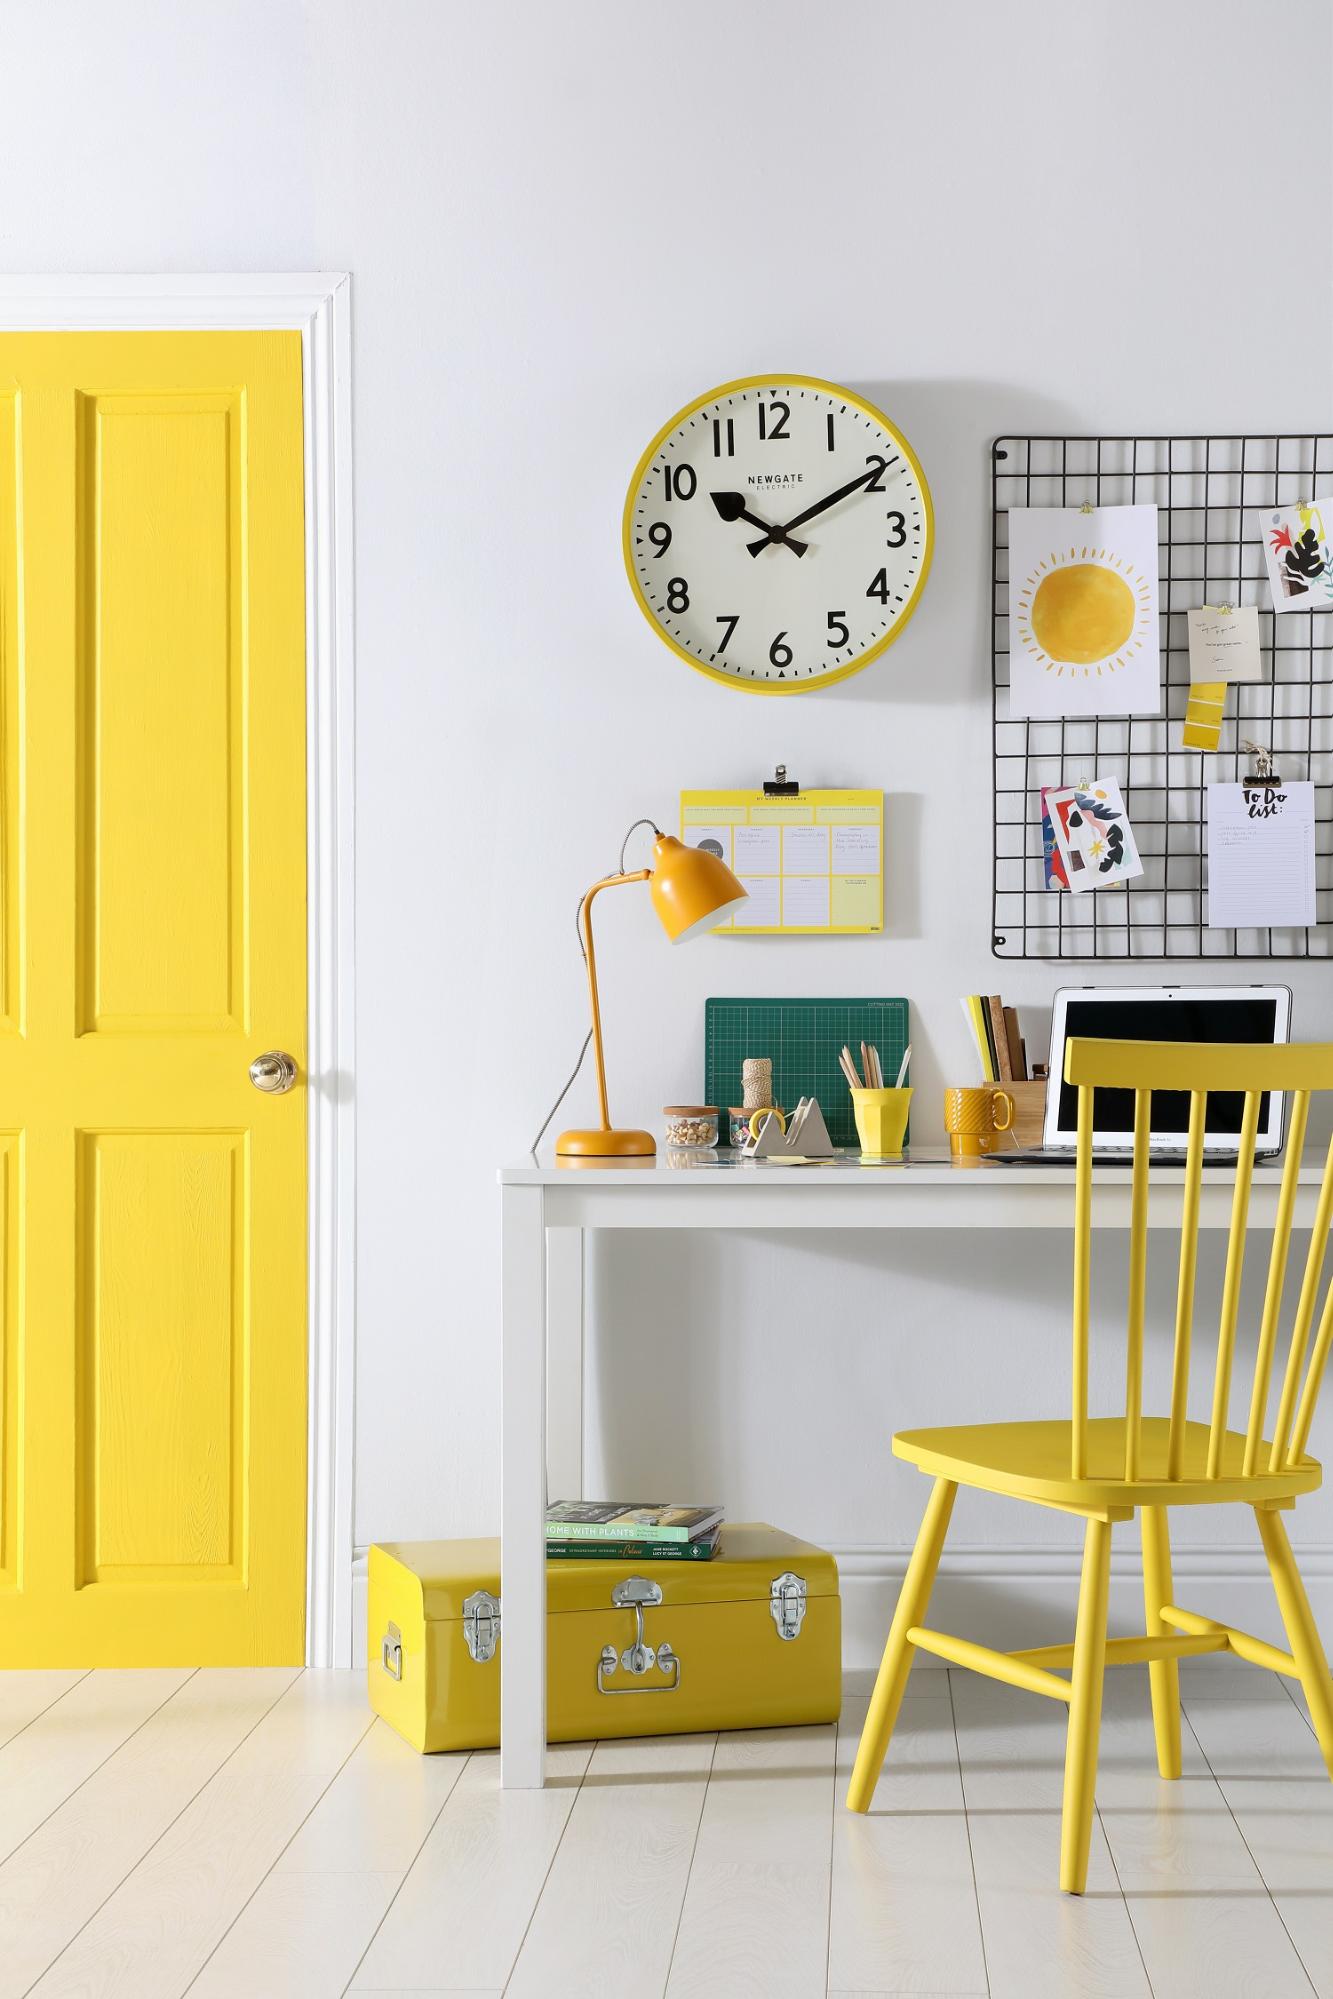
column 897, row 1661
column 1085, row 1708
column 1163, row 1674
column 1302, row 1632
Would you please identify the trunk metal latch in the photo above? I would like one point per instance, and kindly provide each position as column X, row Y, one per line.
column 391, row 1652
column 640, row 1657
column 481, row 1624
column 786, row 1603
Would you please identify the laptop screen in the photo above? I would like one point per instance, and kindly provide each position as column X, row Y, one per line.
column 1261, row 1015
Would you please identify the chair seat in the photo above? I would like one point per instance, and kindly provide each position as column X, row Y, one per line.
column 1031, row 1461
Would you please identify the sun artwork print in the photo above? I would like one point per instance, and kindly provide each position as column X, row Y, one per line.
column 1083, row 612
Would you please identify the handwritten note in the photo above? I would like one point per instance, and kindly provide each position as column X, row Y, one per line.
column 855, row 850
column 1260, row 856
column 1224, row 645
column 805, row 850
column 758, row 850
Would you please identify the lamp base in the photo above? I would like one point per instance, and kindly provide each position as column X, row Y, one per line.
column 606, row 1145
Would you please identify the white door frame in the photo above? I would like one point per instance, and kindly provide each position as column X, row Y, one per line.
column 317, row 305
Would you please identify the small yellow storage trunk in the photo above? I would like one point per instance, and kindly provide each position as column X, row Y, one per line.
column 750, row 1639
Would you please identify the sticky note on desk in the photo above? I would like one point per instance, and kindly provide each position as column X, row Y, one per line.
column 1224, row 645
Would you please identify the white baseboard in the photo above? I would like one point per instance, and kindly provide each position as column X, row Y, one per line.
column 1014, row 1595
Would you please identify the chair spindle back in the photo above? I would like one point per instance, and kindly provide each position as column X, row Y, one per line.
column 1201, row 1068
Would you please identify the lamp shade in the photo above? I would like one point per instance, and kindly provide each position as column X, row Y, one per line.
column 692, row 890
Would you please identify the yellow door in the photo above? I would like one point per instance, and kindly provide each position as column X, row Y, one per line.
column 152, row 944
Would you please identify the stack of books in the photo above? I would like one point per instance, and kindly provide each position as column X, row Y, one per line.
column 632, row 1530
column 1003, row 1052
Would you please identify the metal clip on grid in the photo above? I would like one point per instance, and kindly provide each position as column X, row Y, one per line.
column 1263, row 772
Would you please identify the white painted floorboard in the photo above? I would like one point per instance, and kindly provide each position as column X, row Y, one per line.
column 155, row 1933
column 607, row 1920
column 254, row 1835
column 25, row 1695
column 464, row 1909
column 755, row 1919
column 60, row 1876
column 904, row 1906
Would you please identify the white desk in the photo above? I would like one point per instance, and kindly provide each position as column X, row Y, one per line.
column 546, row 1208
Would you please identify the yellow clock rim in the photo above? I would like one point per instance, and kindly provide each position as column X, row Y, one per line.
column 895, row 630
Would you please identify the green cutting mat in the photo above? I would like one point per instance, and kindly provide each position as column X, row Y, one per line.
column 802, row 1039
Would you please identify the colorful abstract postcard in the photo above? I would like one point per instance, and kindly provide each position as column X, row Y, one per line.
column 1083, row 628
column 1053, row 867
column 1093, row 835
column 1299, row 556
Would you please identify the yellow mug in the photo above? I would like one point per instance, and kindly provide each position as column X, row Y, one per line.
column 972, row 1117
column 881, row 1120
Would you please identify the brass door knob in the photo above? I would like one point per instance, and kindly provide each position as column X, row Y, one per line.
column 273, row 1072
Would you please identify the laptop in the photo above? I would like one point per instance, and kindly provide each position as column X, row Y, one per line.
column 1260, row 1014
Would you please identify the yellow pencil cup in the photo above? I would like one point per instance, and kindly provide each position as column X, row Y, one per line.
column 881, row 1120
column 973, row 1117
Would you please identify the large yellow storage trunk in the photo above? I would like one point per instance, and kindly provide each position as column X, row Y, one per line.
column 750, row 1639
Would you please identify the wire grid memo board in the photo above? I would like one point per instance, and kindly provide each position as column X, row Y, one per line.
column 1212, row 495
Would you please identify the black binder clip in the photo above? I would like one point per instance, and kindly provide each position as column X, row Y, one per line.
column 1263, row 776
column 780, row 785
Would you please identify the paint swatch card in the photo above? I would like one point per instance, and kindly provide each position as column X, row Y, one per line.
column 1261, row 873
column 1299, row 557
column 1083, row 626
column 1204, row 713
column 1093, row 835
column 1224, row 643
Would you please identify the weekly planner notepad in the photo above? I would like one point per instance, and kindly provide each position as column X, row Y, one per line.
column 812, row 864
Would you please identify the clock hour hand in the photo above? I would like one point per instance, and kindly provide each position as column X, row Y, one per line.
column 829, row 500
column 732, row 507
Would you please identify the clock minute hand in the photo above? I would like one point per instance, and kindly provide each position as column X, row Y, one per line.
column 832, row 499
column 732, row 507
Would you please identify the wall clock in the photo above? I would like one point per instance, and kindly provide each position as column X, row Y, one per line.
column 778, row 533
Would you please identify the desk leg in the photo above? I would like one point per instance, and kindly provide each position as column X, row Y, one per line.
column 523, row 1491
column 564, row 1363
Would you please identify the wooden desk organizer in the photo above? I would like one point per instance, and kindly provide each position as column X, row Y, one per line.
column 1029, row 1117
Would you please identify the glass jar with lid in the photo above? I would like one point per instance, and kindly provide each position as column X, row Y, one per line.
column 690, row 1125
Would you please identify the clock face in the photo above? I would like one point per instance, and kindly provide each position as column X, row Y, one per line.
column 778, row 533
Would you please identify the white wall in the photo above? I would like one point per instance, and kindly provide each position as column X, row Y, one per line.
column 564, row 222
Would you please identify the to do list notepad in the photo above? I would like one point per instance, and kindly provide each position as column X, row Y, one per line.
column 812, row 864
column 1260, row 856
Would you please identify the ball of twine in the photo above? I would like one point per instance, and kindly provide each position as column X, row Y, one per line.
column 757, row 1082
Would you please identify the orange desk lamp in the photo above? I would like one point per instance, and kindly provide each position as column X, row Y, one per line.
column 692, row 891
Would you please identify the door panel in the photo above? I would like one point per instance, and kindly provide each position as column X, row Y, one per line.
column 162, row 679
column 162, row 1361
column 11, row 688
column 152, row 870
column 9, row 1358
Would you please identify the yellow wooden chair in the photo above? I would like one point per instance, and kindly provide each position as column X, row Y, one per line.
column 1105, row 1470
